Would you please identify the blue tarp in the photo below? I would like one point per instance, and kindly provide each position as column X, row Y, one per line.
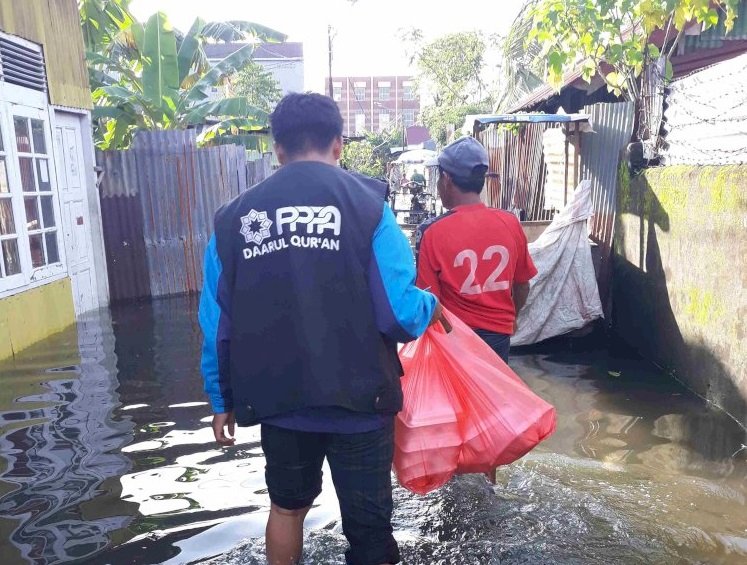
column 531, row 118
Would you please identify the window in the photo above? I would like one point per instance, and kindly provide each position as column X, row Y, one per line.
column 408, row 92
column 10, row 259
column 29, row 217
column 383, row 92
column 337, row 93
column 360, row 92
column 408, row 117
column 30, row 244
column 36, row 184
column 384, row 120
column 360, row 122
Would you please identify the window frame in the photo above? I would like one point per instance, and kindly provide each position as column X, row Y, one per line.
column 11, row 282
column 16, row 101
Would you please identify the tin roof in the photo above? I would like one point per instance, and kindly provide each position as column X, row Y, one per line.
column 534, row 118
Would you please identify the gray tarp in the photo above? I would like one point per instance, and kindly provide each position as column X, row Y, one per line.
column 564, row 294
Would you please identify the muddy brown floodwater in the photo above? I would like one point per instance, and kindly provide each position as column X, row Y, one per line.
column 106, row 456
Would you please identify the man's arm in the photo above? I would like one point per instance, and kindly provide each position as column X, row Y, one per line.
column 525, row 271
column 403, row 311
column 520, row 294
column 216, row 323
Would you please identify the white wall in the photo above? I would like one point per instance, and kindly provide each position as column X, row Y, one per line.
column 288, row 73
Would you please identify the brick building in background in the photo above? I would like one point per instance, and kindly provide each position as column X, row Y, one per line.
column 376, row 103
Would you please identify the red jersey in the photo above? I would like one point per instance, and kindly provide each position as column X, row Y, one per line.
column 470, row 259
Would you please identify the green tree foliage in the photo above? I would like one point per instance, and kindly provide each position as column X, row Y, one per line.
column 522, row 64
column 371, row 155
column 101, row 20
column 451, row 68
column 151, row 76
column 258, row 86
column 444, row 122
column 612, row 37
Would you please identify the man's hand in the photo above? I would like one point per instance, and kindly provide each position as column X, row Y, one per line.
column 220, row 422
column 438, row 316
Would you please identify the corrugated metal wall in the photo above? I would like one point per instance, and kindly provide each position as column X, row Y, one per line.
column 55, row 25
column 600, row 160
column 158, row 201
column 519, row 168
column 516, row 172
column 122, row 220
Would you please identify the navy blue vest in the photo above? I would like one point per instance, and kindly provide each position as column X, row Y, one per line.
column 296, row 253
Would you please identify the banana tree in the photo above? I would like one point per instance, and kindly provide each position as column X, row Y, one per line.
column 100, row 20
column 153, row 77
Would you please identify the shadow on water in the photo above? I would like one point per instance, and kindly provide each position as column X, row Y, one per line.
column 107, row 457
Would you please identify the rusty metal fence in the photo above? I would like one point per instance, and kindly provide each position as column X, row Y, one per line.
column 518, row 171
column 157, row 206
column 600, row 162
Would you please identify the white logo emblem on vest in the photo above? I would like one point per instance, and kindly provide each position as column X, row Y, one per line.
column 260, row 222
column 322, row 218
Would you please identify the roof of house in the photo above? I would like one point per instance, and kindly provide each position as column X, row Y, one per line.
column 545, row 92
column 287, row 50
column 702, row 49
column 417, row 134
column 685, row 64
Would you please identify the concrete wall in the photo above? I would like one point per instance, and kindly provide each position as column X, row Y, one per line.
column 33, row 315
column 680, row 276
column 534, row 229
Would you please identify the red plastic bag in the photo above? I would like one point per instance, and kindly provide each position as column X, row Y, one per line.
column 465, row 410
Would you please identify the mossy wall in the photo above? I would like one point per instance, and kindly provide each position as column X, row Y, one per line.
column 680, row 276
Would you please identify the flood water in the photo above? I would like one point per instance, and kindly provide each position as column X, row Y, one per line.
column 106, row 456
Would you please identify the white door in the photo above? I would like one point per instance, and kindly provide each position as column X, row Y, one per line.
column 76, row 222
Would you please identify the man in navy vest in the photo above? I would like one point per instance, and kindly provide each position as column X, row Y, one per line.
column 309, row 285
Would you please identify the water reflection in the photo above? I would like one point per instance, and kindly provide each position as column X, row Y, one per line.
column 107, row 457
column 60, row 497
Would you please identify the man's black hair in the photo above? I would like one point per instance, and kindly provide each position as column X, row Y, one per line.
column 305, row 121
column 473, row 183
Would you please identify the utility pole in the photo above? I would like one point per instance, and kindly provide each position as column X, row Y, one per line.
column 402, row 115
column 329, row 41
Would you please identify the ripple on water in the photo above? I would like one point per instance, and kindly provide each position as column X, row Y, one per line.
column 116, row 445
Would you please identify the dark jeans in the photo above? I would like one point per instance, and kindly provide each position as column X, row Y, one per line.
column 361, row 471
column 500, row 343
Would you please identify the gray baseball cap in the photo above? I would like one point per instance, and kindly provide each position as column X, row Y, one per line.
column 460, row 157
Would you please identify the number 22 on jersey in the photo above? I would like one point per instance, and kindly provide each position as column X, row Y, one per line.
column 491, row 284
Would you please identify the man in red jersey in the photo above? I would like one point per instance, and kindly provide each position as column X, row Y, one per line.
column 474, row 258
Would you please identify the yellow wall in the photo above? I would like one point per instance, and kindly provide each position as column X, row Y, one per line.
column 33, row 315
column 55, row 25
